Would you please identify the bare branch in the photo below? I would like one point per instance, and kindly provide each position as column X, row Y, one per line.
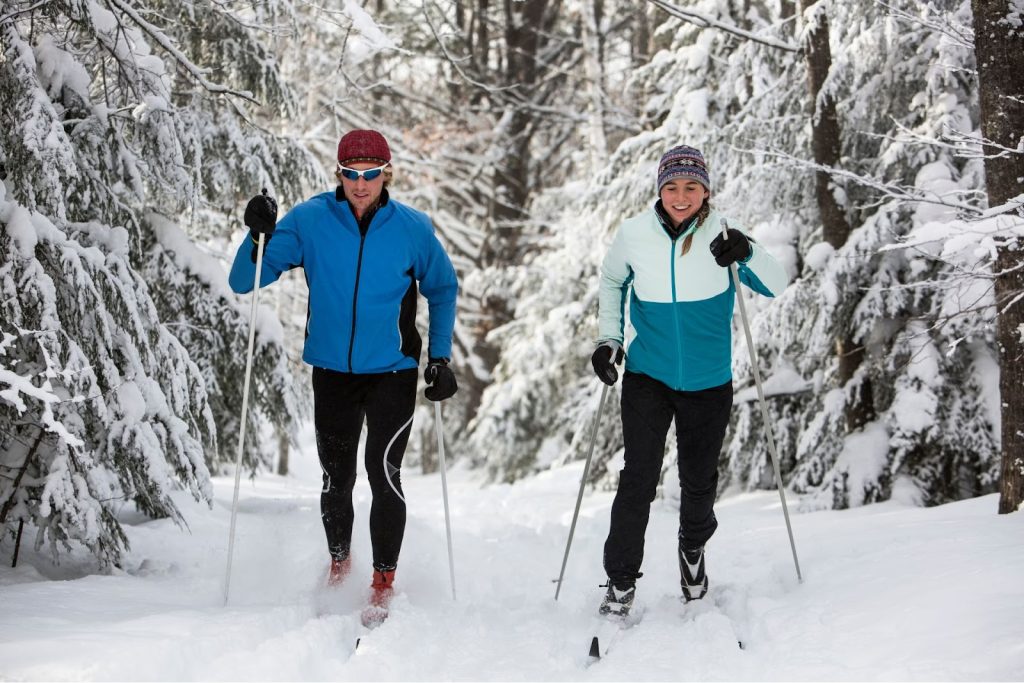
column 11, row 15
column 455, row 62
column 960, row 34
column 704, row 21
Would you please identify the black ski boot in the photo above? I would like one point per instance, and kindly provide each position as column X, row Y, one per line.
column 618, row 600
column 694, row 580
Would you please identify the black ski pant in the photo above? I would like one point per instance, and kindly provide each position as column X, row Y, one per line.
column 342, row 402
column 648, row 408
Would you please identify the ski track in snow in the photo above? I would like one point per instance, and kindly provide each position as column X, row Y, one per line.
column 889, row 592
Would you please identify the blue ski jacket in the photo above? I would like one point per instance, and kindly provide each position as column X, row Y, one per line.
column 681, row 305
column 362, row 285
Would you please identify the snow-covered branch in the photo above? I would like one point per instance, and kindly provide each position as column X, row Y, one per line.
column 165, row 42
column 707, row 21
column 960, row 34
column 885, row 188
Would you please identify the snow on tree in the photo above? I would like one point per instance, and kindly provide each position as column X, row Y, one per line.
column 101, row 404
column 116, row 142
column 481, row 104
column 919, row 313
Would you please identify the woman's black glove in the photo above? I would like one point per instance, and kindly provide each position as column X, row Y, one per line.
column 729, row 251
column 441, row 380
column 606, row 356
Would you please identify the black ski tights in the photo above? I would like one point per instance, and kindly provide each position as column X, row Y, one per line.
column 342, row 401
column 648, row 408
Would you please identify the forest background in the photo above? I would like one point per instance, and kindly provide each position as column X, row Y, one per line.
column 874, row 147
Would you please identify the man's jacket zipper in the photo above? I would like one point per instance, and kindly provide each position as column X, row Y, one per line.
column 355, row 297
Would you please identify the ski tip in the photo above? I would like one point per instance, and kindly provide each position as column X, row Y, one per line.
column 358, row 640
column 595, row 648
column 373, row 616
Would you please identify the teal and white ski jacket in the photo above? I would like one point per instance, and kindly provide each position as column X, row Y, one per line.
column 681, row 306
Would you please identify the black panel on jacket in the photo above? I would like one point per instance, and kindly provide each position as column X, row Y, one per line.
column 412, row 343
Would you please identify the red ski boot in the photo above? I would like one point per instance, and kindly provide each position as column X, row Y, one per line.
column 381, row 591
column 338, row 571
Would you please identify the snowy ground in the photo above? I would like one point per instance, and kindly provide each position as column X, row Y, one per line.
column 890, row 593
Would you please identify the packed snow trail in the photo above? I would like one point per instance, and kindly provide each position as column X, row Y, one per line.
column 890, row 592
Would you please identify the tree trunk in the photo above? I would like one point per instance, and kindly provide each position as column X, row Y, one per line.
column 825, row 134
column 525, row 23
column 12, row 499
column 860, row 399
column 826, row 145
column 593, row 62
column 429, row 457
column 17, row 542
column 282, row 453
column 640, row 47
column 997, row 47
column 787, row 9
column 479, row 41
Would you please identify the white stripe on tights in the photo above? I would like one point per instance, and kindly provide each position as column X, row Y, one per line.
column 387, row 475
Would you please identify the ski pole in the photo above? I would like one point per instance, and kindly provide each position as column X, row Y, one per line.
column 444, row 489
column 245, row 408
column 583, row 484
column 764, row 404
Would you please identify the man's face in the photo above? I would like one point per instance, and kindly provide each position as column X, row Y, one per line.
column 362, row 193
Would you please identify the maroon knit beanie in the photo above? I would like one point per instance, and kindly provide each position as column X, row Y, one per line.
column 363, row 145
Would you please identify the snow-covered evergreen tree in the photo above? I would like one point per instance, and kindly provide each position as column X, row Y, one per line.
column 132, row 133
column 920, row 321
column 116, row 141
column 920, row 314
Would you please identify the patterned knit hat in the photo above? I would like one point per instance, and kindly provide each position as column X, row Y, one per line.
column 683, row 162
column 363, row 145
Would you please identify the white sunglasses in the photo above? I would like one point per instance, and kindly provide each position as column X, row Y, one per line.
column 354, row 174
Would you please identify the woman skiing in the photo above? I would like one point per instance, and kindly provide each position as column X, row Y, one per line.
column 679, row 364
column 363, row 254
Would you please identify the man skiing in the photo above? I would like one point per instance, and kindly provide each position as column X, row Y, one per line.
column 363, row 254
column 679, row 366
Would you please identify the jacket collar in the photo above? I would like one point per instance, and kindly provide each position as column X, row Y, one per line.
column 364, row 223
column 666, row 223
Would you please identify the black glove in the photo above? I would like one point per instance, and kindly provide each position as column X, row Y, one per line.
column 729, row 251
column 441, row 380
column 261, row 216
column 602, row 360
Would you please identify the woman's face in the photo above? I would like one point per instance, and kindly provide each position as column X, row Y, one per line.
column 682, row 199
